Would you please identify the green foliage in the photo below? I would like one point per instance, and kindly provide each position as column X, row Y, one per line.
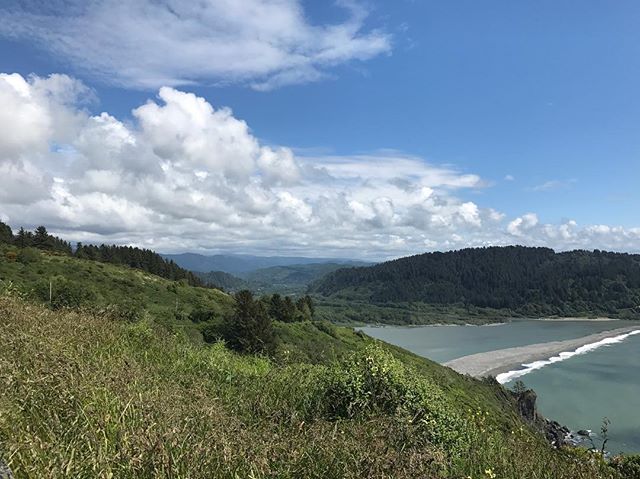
column 6, row 234
column 524, row 281
column 65, row 293
column 249, row 330
column 202, row 315
column 222, row 280
column 373, row 382
column 627, row 466
column 28, row 255
column 519, row 387
column 138, row 258
column 125, row 292
column 83, row 396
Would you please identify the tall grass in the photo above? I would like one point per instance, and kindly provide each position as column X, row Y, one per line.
column 82, row 395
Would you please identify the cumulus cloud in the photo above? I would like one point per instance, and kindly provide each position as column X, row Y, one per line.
column 185, row 175
column 152, row 43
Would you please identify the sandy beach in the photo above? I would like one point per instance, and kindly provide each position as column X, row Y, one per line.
column 493, row 363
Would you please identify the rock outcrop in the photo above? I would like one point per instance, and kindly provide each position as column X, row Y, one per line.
column 555, row 432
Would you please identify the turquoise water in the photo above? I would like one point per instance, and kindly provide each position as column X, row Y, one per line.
column 577, row 392
column 582, row 390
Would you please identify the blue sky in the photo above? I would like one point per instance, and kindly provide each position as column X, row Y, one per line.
column 538, row 100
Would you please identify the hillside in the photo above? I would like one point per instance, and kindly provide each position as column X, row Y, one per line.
column 508, row 280
column 87, row 375
column 86, row 396
column 85, row 283
column 222, row 280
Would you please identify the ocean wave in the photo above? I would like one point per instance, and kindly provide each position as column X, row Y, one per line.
column 529, row 367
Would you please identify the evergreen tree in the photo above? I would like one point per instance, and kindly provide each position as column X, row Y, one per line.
column 6, row 234
column 289, row 310
column 23, row 238
column 276, row 307
column 250, row 329
column 41, row 238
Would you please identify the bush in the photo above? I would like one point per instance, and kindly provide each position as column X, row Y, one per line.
column 627, row 466
column 65, row 293
column 373, row 382
column 28, row 255
column 201, row 315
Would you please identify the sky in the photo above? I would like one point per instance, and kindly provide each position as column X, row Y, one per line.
column 351, row 128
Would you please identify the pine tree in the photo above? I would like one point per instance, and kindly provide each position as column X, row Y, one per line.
column 6, row 234
column 250, row 329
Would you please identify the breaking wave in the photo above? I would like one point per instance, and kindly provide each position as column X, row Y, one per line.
column 529, row 367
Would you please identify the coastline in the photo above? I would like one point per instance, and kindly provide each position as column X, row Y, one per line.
column 573, row 318
column 492, row 363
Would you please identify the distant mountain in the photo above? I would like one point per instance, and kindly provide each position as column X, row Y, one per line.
column 239, row 263
column 527, row 281
column 276, row 279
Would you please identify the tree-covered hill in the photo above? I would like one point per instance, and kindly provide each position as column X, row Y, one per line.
column 222, row 280
column 523, row 280
column 139, row 258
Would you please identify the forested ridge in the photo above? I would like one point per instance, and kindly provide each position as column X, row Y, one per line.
column 523, row 279
column 139, row 258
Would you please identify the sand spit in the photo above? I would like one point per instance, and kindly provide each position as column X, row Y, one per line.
column 493, row 363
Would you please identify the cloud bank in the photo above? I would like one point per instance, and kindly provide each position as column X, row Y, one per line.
column 153, row 43
column 184, row 175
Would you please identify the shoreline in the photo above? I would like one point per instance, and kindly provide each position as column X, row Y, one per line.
column 573, row 318
column 492, row 363
column 483, row 323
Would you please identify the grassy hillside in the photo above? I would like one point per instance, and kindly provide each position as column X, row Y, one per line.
column 85, row 283
column 479, row 281
column 110, row 383
column 88, row 396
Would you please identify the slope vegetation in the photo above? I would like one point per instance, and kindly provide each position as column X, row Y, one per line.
column 88, row 396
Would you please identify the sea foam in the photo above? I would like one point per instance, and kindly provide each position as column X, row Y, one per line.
column 529, row 367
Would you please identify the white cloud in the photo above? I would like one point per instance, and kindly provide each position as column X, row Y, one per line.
column 522, row 224
column 151, row 43
column 184, row 175
column 553, row 185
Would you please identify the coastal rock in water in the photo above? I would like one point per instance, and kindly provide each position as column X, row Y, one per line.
column 527, row 405
column 555, row 432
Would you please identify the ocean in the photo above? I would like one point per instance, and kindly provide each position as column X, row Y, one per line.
column 576, row 390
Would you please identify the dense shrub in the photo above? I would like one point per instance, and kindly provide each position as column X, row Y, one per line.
column 65, row 293
column 627, row 466
column 373, row 382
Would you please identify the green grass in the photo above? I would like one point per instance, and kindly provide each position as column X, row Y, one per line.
column 108, row 285
column 88, row 393
column 86, row 396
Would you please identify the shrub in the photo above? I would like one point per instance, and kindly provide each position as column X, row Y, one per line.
column 627, row 466
column 65, row 293
column 373, row 382
column 28, row 255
